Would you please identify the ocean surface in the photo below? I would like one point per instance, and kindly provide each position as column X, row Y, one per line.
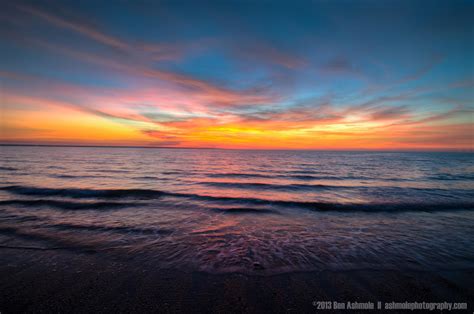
column 251, row 212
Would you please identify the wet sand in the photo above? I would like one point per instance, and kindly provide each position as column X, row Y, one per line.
column 81, row 282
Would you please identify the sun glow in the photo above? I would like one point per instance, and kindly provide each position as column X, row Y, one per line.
column 94, row 85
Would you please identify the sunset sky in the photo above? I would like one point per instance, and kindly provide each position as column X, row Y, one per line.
column 239, row 74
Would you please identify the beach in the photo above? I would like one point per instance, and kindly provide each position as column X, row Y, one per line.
column 58, row 281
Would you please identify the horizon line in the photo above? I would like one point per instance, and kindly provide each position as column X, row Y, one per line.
column 254, row 149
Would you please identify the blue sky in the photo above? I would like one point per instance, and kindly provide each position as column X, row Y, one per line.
column 216, row 68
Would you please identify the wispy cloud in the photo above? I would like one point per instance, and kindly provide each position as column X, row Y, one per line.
column 82, row 29
column 187, row 82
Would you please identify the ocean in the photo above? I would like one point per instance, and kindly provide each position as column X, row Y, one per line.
column 242, row 211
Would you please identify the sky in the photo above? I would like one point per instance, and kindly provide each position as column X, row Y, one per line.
column 389, row 74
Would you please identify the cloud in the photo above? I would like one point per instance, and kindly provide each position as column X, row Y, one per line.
column 285, row 127
column 339, row 64
column 416, row 75
column 163, row 138
column 175, row 92
column 202, row 91
column 391, row 113
column 82, row 29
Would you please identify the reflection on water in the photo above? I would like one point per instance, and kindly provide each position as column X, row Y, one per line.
column 256, row 212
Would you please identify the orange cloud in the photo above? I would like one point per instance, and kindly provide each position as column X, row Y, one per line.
column 164, row 108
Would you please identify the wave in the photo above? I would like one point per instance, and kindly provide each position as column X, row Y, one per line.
column 154, row 194
column 8, row 169
column 21, row 218
column 66, row 205
column 299, row 176
column 257, row 185
column 146, row 178
column 302, row 177
column 451, row 177
column 67, row 176
column 239, row 210
column 118, row 171
column 239, row 175
column 349, row 207
column 83, row 193
column 53, row 242
column 172, row 172
column 119, row 229
column 11, row 231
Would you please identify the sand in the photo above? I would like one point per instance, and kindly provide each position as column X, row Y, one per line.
column 80, row 282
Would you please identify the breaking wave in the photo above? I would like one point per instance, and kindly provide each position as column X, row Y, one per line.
column 149, row 194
